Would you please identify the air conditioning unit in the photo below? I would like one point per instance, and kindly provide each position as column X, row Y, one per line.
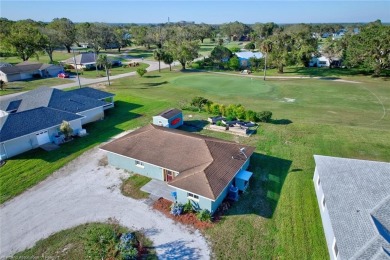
column 82, row 132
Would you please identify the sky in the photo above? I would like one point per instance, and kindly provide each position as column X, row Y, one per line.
column 213, row 12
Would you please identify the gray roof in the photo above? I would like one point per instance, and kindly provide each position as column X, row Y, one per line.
column 170, row 113
column 92, row 93
column 49, row 97
column 357, row 194
column 30, row 121
column 83, row 58
column 25, row 66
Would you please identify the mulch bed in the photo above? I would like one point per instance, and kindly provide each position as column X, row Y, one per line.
column 164, row 206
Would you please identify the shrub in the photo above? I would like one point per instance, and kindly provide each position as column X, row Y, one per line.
column 235, row 49
column 188, row 208
column 36, row 76
column 100, row 242
column 204, row 215
column 141, row 71
column 219, row 123
column 234, row 63
column 264, row 116
column 250, row 46
column 199, row 102
column 215, row 109
column 176, row 209
column 126, row 246
column 251, row 116
column 66, row 129
column 197, row 65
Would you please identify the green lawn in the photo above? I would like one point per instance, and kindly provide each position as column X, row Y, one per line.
column 279, row 216
column 82, row 242
column 91, row 74
column 131, row 187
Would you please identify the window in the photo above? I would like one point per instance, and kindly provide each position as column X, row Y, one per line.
column 139, row 164
column 335, row 249
column 323, row 202
column 318, row 181
column 192, row 196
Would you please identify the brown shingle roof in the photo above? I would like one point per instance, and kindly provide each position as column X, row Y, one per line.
column 206, row 165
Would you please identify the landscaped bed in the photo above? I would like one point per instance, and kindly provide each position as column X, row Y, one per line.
column 92, row 241
column 164, row 206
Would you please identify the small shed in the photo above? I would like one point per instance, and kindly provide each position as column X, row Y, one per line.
column 171, row 118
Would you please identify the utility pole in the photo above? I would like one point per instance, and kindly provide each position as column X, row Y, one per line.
column 75, row 65
column 265, row 65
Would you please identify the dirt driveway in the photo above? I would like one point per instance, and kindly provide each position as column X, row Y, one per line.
column 81, row 192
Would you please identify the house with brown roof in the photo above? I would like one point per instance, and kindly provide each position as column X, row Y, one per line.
column 200, row 168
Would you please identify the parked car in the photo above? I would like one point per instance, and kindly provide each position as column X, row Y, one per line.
column 63, row 74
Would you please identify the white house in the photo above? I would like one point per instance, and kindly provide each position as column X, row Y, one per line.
column 32, row 119
column 28, row 70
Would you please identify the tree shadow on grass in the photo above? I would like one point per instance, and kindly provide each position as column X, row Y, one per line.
column 98, row 132
column 262, row 196
column 152, row 76
column 178, row 250
column 155, row 84
column 281, row 121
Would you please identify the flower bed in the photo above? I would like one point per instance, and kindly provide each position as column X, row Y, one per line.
column 164, row 206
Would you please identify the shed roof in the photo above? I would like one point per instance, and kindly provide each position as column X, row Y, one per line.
column 30, row 121
column 356, row 192
column 206, row 165
column 169, row 113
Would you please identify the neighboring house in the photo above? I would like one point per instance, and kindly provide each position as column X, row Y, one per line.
column 325, row 62
column 354, row 201
column 200, row 168
column 33, row 118
column 244, row 57
column 87, row 60
column 28, row 70
column 171, row 118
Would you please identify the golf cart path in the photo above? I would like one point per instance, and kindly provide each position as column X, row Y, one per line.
column 81, row 192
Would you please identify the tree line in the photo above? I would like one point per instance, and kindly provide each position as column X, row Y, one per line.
column 281, row 45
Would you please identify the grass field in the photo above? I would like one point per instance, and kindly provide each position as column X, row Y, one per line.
column 131, row 187
column 278, row 218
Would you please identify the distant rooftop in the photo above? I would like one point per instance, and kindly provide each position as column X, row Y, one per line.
column 357, row 194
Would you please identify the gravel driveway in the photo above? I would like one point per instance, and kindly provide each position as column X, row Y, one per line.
column 80, row 192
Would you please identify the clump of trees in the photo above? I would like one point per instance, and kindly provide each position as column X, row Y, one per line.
column 231, row 111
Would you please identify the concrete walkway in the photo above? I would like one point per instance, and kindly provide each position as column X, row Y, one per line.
column 84, row 191
column 158, row 189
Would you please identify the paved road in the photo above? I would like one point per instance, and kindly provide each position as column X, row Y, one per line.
column 153, row 66
column 81, row 192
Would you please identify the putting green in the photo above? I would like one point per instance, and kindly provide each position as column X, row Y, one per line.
column 223, row 85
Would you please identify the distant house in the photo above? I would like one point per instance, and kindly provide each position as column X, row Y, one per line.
column 200, row 168
column 28, row 70
column 32, row 119
column 171, row 118
column 354, row 201
column 87, row 60
column 322, row 61
column 245, row 56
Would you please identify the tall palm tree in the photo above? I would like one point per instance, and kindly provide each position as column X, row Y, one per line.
column 265, row 47
column 102, row 60
column 158, row 54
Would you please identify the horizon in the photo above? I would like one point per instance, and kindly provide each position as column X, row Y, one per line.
column 211, row 12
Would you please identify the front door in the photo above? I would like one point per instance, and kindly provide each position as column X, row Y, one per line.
column 168, row 175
